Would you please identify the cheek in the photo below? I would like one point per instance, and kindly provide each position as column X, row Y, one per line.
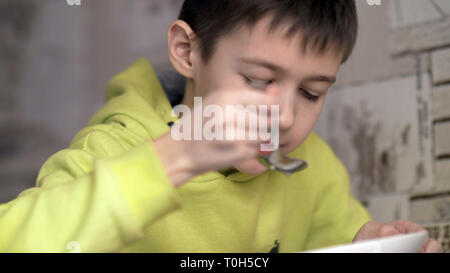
column 213, row 79
column 208, row 81
column 301, row 129
column 208, row 78
column 307, row 113
column 305, row 120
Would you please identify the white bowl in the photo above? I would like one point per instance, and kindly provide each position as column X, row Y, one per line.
column 407, row 243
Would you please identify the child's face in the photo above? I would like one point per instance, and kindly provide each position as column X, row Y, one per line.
column 253, row 58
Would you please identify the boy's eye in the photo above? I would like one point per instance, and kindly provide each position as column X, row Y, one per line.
column 309, row 96
column 258, row 84
column 263, row 84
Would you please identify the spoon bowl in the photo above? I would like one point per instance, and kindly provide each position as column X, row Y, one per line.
column 280, row 162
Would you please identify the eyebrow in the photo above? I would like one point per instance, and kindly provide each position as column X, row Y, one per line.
column 276, row 68
column 321, row 78
column 266, row 64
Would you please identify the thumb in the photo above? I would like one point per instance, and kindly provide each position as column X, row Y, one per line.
column 251, row 167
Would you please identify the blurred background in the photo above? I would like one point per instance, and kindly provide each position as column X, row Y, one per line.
column 388, row 117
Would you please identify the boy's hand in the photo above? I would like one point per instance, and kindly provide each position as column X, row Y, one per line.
column 185, row 159
column 373, row 229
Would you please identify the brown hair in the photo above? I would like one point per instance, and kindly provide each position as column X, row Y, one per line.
column 327, row 24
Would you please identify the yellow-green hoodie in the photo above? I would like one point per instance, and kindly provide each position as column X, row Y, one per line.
column 109, row 192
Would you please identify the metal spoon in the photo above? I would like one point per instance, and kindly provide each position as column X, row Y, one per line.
column 280, row 162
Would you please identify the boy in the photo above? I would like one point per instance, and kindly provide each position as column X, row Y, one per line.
column 126, row 185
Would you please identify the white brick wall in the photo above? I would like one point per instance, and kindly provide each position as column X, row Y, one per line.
column 431, row 210
column 442, row 139
column 370, row 114
column 441, row 65
column 441, row 170
column 406, row 13
column 420, row 38
column 441, row 103
column 389, row 207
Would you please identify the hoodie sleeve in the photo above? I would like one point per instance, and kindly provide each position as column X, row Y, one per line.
column 97, row 195
column 338, row 216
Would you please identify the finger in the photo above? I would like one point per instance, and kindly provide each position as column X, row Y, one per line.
column 265, row 152
column 387, row 230
column 433, row 246
column 370, row 230
column 407, row 227
column 247, row 125
column 268, row 99
column 235, row 151
column 251, row 167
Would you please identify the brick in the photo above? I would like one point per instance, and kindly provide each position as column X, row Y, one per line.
column 442, row 139
column 420, row 38
column 386, row 208
column 429, row 210
column 404, row 13
column 440, row 64
column 441, row 173
column 441, row 103
column 379, row 66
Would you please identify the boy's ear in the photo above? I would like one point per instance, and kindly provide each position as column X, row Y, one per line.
column 181, row 48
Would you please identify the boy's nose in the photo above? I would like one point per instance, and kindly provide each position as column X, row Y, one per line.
column 287, row 110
